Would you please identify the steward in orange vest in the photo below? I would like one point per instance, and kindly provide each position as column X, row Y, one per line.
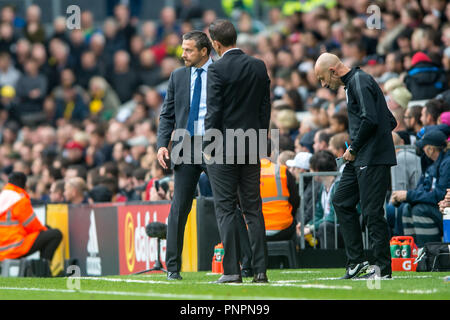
column 280, row 200
column 21, row 233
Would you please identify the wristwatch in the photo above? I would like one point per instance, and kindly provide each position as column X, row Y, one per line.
column 352, row 151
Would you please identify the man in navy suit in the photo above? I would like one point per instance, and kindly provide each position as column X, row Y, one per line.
column 184, row 110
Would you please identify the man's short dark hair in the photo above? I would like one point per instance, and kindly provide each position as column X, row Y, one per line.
column 325, row 136
column 59, row 186
column 415, row 112
column 224, row 32
column 435, row 107
column 80, row 169
column 200, row 38
column 18, row 179
column 323, row 161
column 341, row 118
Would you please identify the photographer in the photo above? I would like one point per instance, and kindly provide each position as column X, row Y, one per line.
column 162, row 189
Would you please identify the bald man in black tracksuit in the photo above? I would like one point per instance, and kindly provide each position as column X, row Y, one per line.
column 366, row 176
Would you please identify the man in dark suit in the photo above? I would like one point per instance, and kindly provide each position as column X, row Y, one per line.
column 184, row 110
column 237, row 99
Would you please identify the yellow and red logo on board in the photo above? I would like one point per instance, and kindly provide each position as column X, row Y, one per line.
column 129, row 241
column 137, row 251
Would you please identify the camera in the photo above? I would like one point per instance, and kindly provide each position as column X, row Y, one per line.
column 163, row 184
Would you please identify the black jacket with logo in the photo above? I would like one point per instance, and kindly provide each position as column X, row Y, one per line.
column 370, row 121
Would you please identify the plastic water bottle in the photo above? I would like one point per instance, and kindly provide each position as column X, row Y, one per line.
column 446, row 224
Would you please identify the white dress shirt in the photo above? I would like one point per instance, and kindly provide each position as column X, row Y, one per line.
column 199, row 125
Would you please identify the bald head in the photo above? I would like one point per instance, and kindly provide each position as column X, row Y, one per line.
column 325, row 61
column 329, row 69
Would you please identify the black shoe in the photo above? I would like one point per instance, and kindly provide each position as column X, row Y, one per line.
column 230, row 278
column 247, row 273
column 355, row 270
column 260, row 278
column 372, row 274
column 174, row 276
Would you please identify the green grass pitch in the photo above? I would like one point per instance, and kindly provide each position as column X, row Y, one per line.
column 283, row 284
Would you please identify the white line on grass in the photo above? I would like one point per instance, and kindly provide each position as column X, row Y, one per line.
column 124, row 280
column 299, row 271
column 417, row 291
column 304, row 286
column 149, row 294
column 411, row 277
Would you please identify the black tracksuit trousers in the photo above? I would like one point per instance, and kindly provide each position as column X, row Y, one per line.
column 369, row 185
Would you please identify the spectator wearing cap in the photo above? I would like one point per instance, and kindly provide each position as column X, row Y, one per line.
column 297, row 166
column 138, row 146
column 421, row 216
column 424, row 79
column 74, row 152
column 306, row 142
column 430, row 116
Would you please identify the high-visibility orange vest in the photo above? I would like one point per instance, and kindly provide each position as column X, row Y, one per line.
column 19, row 226
column 276, row 208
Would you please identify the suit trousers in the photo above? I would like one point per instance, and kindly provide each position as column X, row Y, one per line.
column 228, row 182
column 369, row 185
column 185, row 183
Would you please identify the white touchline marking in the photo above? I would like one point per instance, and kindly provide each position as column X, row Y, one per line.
column 299, row 271
column 417, row 291
column 320, row 286
column 124, row 280
column 305, row 286
column 411, row 277
column 149, row 294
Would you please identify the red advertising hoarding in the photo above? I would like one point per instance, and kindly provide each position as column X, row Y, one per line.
column 137, row 251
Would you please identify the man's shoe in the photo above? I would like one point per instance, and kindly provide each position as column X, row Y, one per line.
column 260, row 278
column 373, row 275
column 174, row 276
column 355, row 270
column 247, row 273
column 230, row 278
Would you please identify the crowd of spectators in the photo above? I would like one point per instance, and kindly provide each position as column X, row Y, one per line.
column 79, row 109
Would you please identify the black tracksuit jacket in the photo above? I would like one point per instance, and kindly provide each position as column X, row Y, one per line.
column 370, row 121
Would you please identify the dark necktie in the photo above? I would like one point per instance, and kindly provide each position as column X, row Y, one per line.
column 195, row 105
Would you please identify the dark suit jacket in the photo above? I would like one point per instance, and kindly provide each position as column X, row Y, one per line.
column 238, row 97
column 175, row 110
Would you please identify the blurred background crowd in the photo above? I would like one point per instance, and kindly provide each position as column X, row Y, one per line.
column 79, row 108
